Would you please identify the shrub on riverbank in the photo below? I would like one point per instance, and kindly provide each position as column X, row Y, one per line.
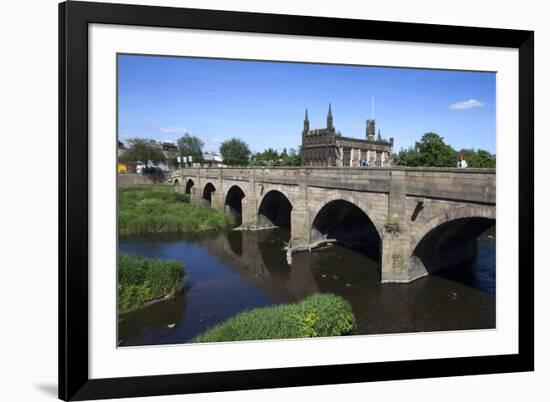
column 318, row 315
column 141, row 280
column 157, row 209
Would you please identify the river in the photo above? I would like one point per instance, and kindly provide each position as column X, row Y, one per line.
column 233, row 271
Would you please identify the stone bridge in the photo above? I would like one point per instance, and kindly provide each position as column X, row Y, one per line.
column 419, row 220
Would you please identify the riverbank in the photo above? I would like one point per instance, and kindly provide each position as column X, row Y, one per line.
column 316, row 316
column 158, row 209
column 144, row 280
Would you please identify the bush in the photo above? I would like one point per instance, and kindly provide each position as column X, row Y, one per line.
column 318, row 315
column 392, row 224
column 141, row 280
column 157, row 209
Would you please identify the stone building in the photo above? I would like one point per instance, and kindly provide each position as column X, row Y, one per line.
column 212, row 160
column 326, row 147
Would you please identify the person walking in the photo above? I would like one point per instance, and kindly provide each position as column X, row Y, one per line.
column 461, row 162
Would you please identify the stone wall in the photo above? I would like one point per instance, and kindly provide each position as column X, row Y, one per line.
column 138, row 179
column 420, row 199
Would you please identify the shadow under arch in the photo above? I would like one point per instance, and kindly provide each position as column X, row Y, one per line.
column 235, row 241
column 348, row 225
column 275, row 209
column 233, row 203
column 176, row 182
column 207, row 193
column 451, row 243
column 353, row 200
column 188, row 186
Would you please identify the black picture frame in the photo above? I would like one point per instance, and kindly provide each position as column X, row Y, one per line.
column 74, row 18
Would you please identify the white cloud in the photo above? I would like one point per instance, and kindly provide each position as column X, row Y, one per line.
column 177, row 130
column 469, row 104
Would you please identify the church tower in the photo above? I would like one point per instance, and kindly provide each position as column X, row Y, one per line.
column 330, row 125
column 370, row 130
column 306, row 124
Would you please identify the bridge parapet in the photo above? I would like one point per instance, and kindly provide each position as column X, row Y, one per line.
column 471, row 185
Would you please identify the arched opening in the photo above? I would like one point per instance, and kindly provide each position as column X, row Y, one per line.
column 207, row 194
column 346, row 224
column 233, row 203
column 176, row 182
column 275, row 210
column 188, row 186
column 453, row 250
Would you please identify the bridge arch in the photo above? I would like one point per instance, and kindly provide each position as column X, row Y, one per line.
column 352, row 200
column 348, row 224
column 207, row 193
column 274, row 209
column 450, row 237
column 188, row 186
column 233, row 203
column 451, row 215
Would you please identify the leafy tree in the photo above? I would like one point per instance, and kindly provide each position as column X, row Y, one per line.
column 479, row 158
column 145, row 151
column 431, row 150
column 269, row 157
column 189, row 145
column 172, row 161
column 293, row 158
column 171, row 156
column 235, row 152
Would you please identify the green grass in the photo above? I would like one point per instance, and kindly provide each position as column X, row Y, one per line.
column 158, row 209
column 318, row 315
column 141, row 280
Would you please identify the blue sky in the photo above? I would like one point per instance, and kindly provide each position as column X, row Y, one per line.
column 263, row 103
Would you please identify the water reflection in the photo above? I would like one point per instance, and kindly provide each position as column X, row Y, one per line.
column 239, row 270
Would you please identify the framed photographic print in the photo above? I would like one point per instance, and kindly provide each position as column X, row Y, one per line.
column 257, row 200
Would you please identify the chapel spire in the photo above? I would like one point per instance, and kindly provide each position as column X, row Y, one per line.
column 330, row 125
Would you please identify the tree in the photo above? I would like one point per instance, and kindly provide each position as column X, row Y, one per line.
column 235, row 152
column 269, row 157
column 171, row 156
column 293, row 158
column 431, row 150
column 189, row 145
column 172, row 161
column 145, row 151
column 479, row 158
